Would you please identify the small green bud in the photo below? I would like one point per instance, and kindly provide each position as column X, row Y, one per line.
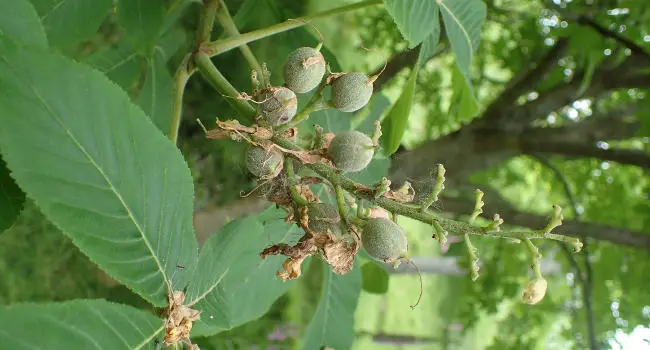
column 304, row 69
column 351, row 92
column 351, row 151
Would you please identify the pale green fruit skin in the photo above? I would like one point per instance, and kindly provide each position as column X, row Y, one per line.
column 279, row 107
column 263, row 164
column 351, row 92
column 324, row 216
column 384, row 240
column 300, row 78
column 351, row 151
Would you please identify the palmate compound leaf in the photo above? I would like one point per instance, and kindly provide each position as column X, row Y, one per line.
column 98, row 169
column 77, row 324
column 236, row 285
column 333, row 324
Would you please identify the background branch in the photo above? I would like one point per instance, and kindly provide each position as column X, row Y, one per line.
column 569, row 148
column 589, row 22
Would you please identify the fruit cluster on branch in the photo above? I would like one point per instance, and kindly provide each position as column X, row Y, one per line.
column 288, row 164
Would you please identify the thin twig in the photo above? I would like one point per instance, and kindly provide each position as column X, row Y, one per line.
column 586, row 281
column 228, row 24
column 221, row 46
column 223, row 86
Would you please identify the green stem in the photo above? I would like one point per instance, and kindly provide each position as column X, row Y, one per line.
column 180, row 80
column 357, row 221
column 226, row 21
column 415, row 211
column 536, row 257
column 221, row 46
column 291, row 175
column 340, row 202
column 206, row 22
column 439, row 186
column 223, row 86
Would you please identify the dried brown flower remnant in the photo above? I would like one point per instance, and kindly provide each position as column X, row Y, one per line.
column 335, row 251
column 179, row 320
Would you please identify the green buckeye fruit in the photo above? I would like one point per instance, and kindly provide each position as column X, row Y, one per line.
column 351, row 151
column 264, row 164
column 324, row 217
column 351, row 92
column 279, row 105
column 304, row 69
column 384, row 240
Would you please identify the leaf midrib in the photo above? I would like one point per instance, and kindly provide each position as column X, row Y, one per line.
column 98, row 168
column 453, row 16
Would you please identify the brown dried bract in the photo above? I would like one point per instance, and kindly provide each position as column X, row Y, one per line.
column 234, row 125
column 403, row 195
column 313, row 60
column 378, row 212
column 305, row 192
column 179, row 320
column 334, row 76
column 289, row 133
column 340, row 256
column 262, row 133
column 292, row 269
column 336, row 252
column 327, row 139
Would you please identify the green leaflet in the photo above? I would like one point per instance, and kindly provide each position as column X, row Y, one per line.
column 249, row 286
column 68, row 22
column 99, row 169
column 12, row 198
column 333, row 323
column 375, row 278
column 156, row 95
column 463, row 20
column 143, row 22
column 120, row 64
column 463, row 105
column 19, row 21
column 78, row 324
column 415, row 19
column 396, row 120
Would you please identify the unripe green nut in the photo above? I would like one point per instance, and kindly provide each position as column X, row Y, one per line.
column 351, row 92
column 304, row 69
column 262, row 163
column 324, row 217
column 384, row 240
column 351, row 151
column 279, row 105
